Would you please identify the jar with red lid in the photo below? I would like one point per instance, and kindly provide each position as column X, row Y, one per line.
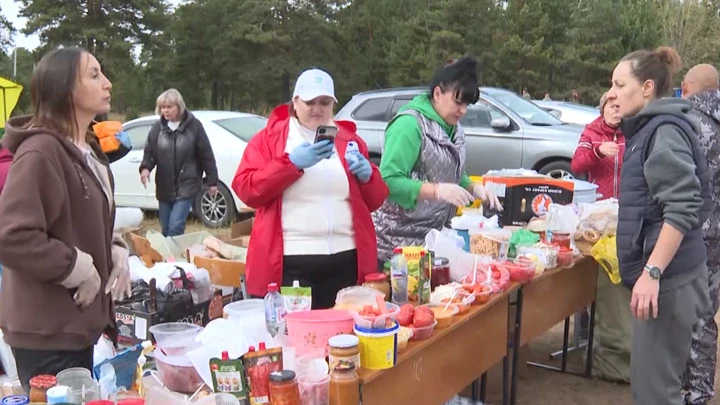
column 378, row 281
column 284, row 388
column 440, row 272
column 565, row 256
column 39, row 386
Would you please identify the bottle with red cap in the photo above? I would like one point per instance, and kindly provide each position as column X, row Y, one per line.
column 274, row 311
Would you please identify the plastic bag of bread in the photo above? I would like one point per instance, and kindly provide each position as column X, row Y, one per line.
column 225, row 250
column 198, row 250
column 597, row 219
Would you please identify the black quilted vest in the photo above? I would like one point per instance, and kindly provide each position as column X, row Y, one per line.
column 641, row 217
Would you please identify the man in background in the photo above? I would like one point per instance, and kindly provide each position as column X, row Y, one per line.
column 700, row 87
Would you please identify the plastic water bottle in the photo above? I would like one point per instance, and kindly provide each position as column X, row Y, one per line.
column 399, row 274
column 352, row 152
column 274, row 311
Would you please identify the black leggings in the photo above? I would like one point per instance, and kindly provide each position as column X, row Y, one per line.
column 31, row 363
column 326, row 274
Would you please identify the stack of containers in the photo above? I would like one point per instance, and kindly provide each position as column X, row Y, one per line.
column 174, row 341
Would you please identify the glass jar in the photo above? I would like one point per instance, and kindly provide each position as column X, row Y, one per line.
column 344, row 349
column 39, row 386
column 378, row 281
column 344, row 385
column 284, row 388
column 440, row 274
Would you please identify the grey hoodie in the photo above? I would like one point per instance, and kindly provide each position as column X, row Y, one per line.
column 670, row 167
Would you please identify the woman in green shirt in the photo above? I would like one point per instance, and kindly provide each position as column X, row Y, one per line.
column 423, row 161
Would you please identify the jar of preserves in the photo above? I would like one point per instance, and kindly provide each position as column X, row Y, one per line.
column 378, row 281
column 344, row 385
column 284, row 388
column 344, row 349
column 440, row 274
column 39, row 386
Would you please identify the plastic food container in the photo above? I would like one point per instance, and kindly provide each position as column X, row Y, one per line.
column 378, row 348
column 444, row 317
column 482, row 298
column 491, row 242
column 565, row 256
column 177, row 373
column 241, row 310
column 422, row 333
column 376, row 322
column 521, row 270
column 460, row 298
column 560, row 239
column 176, row 337
column 314, row 391
column 404, row 336
column 308, row 330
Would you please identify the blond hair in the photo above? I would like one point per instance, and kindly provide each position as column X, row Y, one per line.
column 170, row 97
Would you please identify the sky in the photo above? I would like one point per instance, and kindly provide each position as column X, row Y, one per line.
column 11, row 9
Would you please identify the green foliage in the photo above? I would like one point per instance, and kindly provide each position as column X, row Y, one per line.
column 245, row 54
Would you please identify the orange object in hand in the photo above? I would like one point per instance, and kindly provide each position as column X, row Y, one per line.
column 105, row 131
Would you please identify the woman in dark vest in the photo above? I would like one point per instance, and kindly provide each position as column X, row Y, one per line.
column 664, row 200
column 423, row 161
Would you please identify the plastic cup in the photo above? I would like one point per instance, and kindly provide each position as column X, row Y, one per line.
column 314, row 391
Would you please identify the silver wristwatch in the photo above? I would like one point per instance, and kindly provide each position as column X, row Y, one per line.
column 654, row 271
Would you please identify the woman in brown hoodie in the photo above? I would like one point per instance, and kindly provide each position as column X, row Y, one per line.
column 62, row 263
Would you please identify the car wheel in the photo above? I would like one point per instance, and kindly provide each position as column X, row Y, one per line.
column 557, row 170
column 216, row 211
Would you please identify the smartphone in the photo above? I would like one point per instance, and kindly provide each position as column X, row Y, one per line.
column 326, row 132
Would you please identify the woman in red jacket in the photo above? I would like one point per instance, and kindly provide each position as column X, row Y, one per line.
column 600, row 151
column 313, row 206
column 600, row 154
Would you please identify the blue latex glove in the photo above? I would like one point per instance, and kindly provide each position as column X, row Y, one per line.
column 124, row 139
column 308, row 155
column 361, row 168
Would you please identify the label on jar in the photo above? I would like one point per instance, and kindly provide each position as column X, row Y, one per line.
column 335, row 360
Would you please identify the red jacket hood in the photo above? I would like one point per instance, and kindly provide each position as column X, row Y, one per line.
column 278, row 117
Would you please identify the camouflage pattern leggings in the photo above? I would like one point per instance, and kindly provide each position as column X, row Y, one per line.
column 699, row 377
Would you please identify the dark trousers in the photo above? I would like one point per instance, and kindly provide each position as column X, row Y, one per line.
column 31, row 363
column 325, row 274
column 173, row 216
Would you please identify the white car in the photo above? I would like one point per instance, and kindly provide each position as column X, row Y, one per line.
column 229, row 133
column 569, row 113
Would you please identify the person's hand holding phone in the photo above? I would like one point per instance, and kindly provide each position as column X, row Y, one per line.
column 308, row 155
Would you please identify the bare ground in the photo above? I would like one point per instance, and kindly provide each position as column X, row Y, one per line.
column 535, row 385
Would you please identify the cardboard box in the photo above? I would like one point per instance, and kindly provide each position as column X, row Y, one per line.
column 526, row 197
column 134, row 322
column 240, row 233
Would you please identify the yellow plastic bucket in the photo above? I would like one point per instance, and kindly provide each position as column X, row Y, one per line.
column 378, row 347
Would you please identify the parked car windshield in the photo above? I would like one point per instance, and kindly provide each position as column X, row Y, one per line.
column 243, row 127
column 530, row 112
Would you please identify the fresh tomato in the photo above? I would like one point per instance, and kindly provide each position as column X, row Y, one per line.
column 408, row 308
column 405, row 318
column 425, row 310
column 423, row 319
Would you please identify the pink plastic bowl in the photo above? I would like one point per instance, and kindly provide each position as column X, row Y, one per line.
column 310, row 330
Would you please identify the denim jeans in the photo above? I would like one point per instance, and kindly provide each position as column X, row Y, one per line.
column 173, row 216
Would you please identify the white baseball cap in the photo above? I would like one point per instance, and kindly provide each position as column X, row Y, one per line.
column 314, row 83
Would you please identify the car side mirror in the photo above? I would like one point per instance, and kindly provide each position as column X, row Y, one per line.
column 500, row 123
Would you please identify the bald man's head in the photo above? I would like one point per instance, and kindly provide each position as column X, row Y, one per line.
column 700, row 78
